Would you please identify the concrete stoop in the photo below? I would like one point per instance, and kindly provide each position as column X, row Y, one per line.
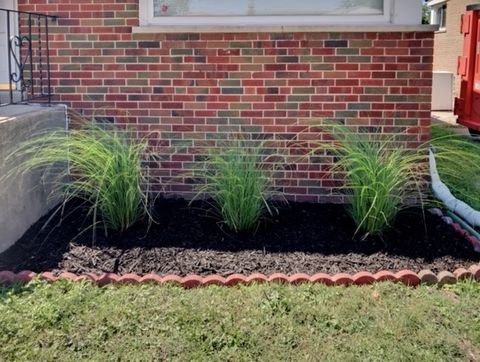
column 5, row 97
column 23, row 198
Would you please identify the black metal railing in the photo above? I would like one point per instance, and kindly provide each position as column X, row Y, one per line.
column 28, row 56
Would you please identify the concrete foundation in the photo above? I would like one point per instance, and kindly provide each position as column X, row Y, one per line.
column 24, row 198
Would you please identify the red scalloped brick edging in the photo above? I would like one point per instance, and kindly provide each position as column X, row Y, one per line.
column 472, row 239
column 406, row 277
column 458, row 229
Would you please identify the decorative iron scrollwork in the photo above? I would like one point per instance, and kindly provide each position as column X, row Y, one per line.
column 28, row 55
column 21, row 53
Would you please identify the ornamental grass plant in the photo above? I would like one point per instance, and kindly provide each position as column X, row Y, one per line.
column 99, row 164
column 238, row 178
column 384, row 177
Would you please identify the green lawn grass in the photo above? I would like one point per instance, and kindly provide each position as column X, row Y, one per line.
column 462, row 179
column 70, row 322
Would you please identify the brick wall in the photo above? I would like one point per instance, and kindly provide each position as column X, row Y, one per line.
column 449, row 42
column 192, row 90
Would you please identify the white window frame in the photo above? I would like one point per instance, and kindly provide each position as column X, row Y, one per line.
column 436, row 17
column 146, row 12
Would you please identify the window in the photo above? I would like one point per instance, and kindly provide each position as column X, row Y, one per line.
column 438, row 13
column 169, row 15
column 442, row 16
column 163, row 8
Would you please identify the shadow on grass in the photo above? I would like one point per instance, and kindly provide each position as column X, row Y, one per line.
column 16, row 289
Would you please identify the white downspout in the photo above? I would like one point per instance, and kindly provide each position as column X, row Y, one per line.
column 442, row 192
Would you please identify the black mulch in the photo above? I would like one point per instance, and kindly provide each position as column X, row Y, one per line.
column 305, row 238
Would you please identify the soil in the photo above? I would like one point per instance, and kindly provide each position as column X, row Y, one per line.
column 308, row 238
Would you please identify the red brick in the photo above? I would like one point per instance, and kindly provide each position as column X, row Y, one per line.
column 342, row 279
column 24, row 276
column 129, row 279
column 446, row 277
column 192, row 281
column 47, row 276
column 7, row 277
column 462, row 274
column 235, row 279
column 108, row 278
column 186, row 71
column 256, row 278
column 428, row 277
column 475, row 270
column 384, row 276
column 322, row 278
column 363, row 278
column 278, row 278
column 213, row 280
column 68, row 276
column 408, row 277
column 299, row 278
column 172, row 279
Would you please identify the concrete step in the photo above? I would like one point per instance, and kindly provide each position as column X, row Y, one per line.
column 24, row 197
column 5, row 97
column 17, row 97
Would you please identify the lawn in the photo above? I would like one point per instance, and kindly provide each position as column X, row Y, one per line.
column 65, row 321
column 462, row 179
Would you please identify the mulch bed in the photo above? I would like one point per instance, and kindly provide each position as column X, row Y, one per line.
column 302, row 238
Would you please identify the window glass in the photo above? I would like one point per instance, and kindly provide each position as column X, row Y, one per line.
column 443, row 16
column 163, row 8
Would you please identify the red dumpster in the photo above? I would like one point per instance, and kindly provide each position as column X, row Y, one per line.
column 467, row 105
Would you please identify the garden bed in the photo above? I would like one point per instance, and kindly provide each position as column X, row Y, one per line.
column 302, row 238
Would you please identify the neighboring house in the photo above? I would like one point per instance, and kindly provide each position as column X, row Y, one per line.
column 448, row 47
column 188, row 73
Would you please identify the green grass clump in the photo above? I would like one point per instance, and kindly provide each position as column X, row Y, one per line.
column 97, row 164
column 458, row 164
column 239, row 183
column 382, row 176
column 382, row 322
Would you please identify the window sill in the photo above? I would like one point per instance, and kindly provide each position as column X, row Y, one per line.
column 350, row 28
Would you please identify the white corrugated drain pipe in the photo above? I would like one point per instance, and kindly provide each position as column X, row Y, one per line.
column 441, row 191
